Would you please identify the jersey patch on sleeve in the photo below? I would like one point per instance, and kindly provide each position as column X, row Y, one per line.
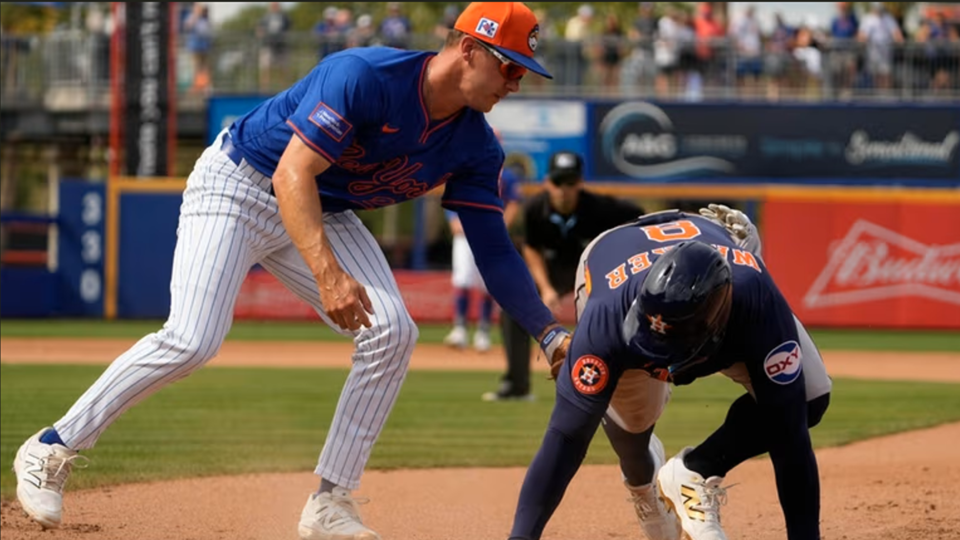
column 590, row 375
column 782, row 365
column 330, row 122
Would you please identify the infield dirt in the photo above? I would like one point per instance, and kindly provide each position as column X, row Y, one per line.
column 902, row 487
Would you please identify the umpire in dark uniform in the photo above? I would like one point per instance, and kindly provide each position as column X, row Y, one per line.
column 558, row 224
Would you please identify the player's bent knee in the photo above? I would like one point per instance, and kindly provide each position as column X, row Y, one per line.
column 191, row 352
column 816, row 408
column 411, row 332
column 402, row 334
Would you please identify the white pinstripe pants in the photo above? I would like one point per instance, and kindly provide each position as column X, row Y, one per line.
column 229, row 222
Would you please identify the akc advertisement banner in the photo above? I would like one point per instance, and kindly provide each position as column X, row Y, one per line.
column 640, row 141
column 865, row 264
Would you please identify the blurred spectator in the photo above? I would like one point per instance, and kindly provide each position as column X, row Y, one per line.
column 933, row 59
column 710, row 31
column 199, row 36
column 808, row 55
column 577, row 34
column 547, row 53
column 98, row 25
column 843, row 53
column 745, row 32
column 450, row 14
column 640, row 66
column 778, row 59
column 272, row 32
column 673, row 51
column 611, row 51
column 879, row 31
column 362, row 35
column 344, row 20
column 331, row 37
column 395, row 29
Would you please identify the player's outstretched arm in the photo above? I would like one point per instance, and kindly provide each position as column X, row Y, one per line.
column 508, row 279
column 344, row 299
column 564, row 446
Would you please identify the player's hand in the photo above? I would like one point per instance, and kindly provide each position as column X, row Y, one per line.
column 736, row 222
column 345, row 300
column 559, row 356
column 552, row 300
column 555, row 342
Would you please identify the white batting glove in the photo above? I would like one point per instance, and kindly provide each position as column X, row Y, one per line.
column 736, row 223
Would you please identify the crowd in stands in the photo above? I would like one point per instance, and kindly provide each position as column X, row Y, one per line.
column 665, row 51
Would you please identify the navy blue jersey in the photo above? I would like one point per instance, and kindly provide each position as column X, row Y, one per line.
column 761, row 332
column 362, row 109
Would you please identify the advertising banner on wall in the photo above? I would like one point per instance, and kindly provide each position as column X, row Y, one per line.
column 876, row 264
column 148, row 114
column 532, row 130
column 640, row 141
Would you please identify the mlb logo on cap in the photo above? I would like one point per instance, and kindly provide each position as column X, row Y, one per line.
column 488, row 28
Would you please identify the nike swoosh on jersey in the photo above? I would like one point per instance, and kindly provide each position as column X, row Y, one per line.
column 388, row 129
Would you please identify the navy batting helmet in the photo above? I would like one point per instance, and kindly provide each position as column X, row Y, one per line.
column 681, row 311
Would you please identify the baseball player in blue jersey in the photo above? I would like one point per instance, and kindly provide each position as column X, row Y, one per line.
column 466, row 277
column 670, row 298
column 366, row 128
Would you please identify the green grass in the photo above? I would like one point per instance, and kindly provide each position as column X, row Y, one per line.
column 880, row 340
column 240, row 420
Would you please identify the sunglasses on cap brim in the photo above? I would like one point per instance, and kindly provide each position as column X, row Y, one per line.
column 509, row 69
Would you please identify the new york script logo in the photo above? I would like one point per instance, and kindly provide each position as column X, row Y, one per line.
column 392, row 181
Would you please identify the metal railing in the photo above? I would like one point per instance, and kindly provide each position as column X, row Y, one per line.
column 70, row 70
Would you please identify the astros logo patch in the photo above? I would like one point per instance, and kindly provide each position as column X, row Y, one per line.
column 590, row 375
column 782, row 365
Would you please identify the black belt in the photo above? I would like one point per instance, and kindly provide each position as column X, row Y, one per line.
column 230, row 150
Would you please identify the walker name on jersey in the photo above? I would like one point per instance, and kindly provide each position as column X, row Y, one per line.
column 642, row 261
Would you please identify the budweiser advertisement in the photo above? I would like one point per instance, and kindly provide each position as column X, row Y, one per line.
column 866, row 264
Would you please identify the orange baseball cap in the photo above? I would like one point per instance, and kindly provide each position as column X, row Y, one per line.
column 510, row 27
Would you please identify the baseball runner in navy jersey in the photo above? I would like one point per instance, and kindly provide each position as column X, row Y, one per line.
column 465, row 276
column 366, row 128
column 668, row 299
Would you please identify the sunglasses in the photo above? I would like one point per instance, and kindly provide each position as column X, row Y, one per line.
column 565, row 180
column 510, row 70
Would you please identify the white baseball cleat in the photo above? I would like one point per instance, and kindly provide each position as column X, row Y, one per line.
column 333, row 516
column 695, row 500
column 481, row 341
column 42, row 470
column 456, row 338
column 657, row 520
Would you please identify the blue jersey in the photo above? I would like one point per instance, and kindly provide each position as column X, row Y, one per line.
column 363, row 110
column 509, row 190
column 761, row 331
